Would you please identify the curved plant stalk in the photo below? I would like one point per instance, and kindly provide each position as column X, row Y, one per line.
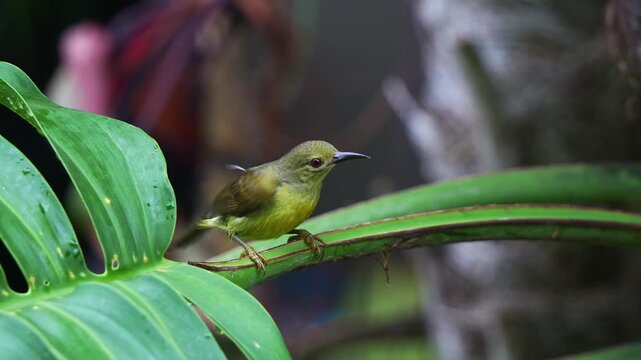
column 494, row 222
column 137, row 307
column 616, row 185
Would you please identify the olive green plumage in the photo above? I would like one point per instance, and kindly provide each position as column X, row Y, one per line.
column 272, row 199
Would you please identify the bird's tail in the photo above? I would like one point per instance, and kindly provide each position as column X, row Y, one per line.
column 195, row 230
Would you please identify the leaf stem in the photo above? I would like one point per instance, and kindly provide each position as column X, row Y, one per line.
column 513, row 222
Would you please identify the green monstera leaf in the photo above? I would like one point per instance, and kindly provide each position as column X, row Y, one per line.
column 136, row 308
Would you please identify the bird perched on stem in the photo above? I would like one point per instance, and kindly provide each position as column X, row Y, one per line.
column 272, row 199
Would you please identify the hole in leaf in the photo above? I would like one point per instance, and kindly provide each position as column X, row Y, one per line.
column 88, row 239
column 16, row 281
column 115, row 264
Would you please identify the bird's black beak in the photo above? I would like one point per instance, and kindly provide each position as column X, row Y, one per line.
column 343, row 156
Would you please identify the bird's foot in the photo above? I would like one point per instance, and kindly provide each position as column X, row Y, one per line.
column 313, row 242
column 256, row 257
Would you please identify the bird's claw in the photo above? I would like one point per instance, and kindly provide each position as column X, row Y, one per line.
column 313, row 242
column 256, row 257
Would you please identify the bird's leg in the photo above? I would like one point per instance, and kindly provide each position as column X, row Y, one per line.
column 312, row 241
column 251, row 253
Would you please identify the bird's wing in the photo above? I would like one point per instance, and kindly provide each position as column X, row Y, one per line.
column 247, row 193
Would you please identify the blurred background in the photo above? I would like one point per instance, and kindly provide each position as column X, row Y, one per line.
column 431, row 89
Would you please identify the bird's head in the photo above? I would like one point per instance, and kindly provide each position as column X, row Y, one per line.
column 311, row 161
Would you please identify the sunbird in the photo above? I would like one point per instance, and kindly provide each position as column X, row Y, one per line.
column 269, row 200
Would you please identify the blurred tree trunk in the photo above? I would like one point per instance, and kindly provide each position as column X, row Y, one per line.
column 508, row 83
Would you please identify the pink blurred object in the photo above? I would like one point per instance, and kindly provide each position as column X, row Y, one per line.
column 82, row 79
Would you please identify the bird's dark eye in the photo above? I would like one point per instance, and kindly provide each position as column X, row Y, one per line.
column 315, row 162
